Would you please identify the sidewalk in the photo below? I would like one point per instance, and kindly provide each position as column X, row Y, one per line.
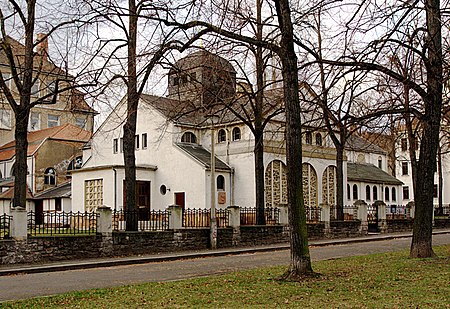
column 6, row 270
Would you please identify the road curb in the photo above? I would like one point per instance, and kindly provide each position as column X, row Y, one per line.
column 190, row 255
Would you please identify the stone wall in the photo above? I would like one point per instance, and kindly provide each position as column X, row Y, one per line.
column 316, row 230
column 442, row 223
column 343, row 229
column 400, row 225
column 262, row 235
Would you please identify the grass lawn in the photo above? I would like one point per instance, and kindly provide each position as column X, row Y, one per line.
column 375, row 281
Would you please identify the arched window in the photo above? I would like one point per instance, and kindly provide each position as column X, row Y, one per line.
column 355, row 192
column 367, row 193
column 220, row 183
column 222, row 137
column 50, row 176
column 375, row 193
column 394, row 194
column 348, row 192
column 189, row 137
column 318, row 139
column 308, row 138
column 236, row 134
column 386, row 194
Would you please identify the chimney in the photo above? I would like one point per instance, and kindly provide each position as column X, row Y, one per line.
column 42, row 47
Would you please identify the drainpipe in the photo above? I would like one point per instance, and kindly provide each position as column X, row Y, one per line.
column 232, row 187
column 115, row 188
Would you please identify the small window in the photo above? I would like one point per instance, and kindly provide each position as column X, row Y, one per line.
column 184, row 79
column 193, row 77
column 35, row 122
column 35, row 89
column 5, row 118
column 52, row 121
column 189, row 137
column 404, row 144
column 144, row 140
column 50, row 176
column 406, row 193
column 222, row 136
column 404, row 168
column 136, row 141
column 394, row 195
column 318, row 139
column 355, row 192
column 163, row 189
column 380, row 163
column 7, row 79
column 375, row 193
column 367, row 193
column 75, row 164
column 435, row 190
column 176, row 81
column 220, row 183
column 121, row 144
column 115, row 145
column 308, row 138
column 348, row 192
column 58, row 204
column 386, row 194
column 80, row 122
column 236, row 134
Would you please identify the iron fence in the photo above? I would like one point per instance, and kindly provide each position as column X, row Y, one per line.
column 248, row 215
column 195, row 218
column 148, row 220
column 313, row 214
column 372, row 214
column 398, row 212
column 350, row 212
column 62, row 223
column 5, row 224
column 223, row 217
column 443, row 211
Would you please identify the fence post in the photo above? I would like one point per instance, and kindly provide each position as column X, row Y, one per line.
column 19, row 223
column 325, row 218
column 235, row 223
column 176, row 217
column 362, row 216
column 382, row 224
column 284, row 214
column 104, row 221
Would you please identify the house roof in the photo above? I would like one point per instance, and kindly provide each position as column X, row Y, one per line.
column 66, row 132
column 62, row 190
column 202, row 155
column 370, row 173
column 357, row 143
column 9, row 194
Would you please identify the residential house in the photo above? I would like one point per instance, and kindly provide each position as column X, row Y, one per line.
column 69, row 107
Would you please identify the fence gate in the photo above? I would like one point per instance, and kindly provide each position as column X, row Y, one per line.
column 372, row 218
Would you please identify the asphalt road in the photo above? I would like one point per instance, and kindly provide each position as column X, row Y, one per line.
column 33, row 285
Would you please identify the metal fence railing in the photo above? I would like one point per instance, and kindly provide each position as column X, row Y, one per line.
column 62, row 223
column 313, row 214
column 223, row 217
column 398, row 212
column 248, row 215
column 5, row 224
column 442, row 212
column 148, row 220
column 195, row 218
column 350, row 212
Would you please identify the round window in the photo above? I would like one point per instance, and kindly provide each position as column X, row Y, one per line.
column 163, row 189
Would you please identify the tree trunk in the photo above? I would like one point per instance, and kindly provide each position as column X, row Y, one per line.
column 340, row 182
column 421, row 246
column 20, row 172
column 259, row 177
column 300, row 264
column 129, row 129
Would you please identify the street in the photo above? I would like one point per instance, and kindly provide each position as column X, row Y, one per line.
column 33, row 285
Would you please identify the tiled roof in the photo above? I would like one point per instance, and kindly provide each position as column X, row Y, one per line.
column 202, row 58
column 370, row 173
column 357, row 143
column 66, row 132
column 9, row 194
column 202, row 155
column 62, row 190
